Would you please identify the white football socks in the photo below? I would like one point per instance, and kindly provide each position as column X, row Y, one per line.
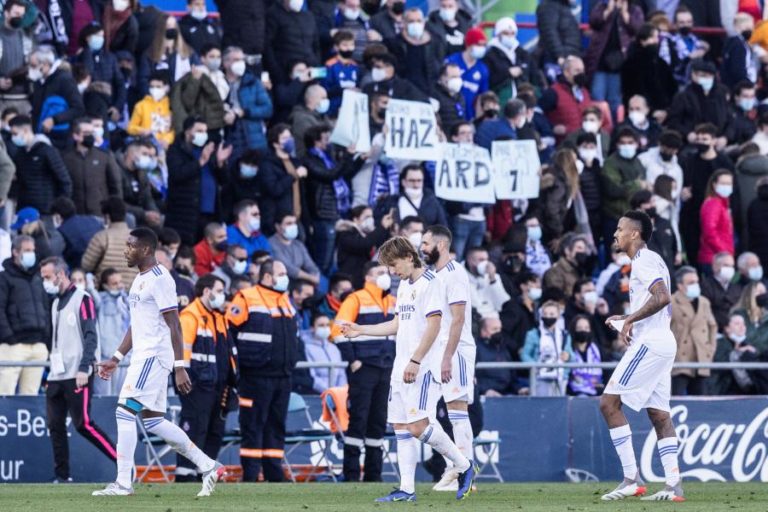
column 622, row 441
column 668, row 453
column 407, row 458
column 435, row 436
column 179, row 441
column 126, row 446
column 462, row 432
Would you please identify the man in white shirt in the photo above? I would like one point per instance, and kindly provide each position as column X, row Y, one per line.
column 487, row 291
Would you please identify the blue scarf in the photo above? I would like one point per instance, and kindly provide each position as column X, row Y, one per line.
column 340, row 187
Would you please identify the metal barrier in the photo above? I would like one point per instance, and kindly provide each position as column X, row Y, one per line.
column 531, row 367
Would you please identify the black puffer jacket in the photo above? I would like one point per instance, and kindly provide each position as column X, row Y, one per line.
column 691, row 107
column 41, row 175
column 24, row 306
column 276, row 188
column 559, row 34
column 434, row 53
column 452, row 108
column 439, row 30
column 60, row 83
column 291, row 36
column 198, row 33
column 320, row 187
column 242, row 22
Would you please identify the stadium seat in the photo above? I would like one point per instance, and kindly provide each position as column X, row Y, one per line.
column 155, row 449
column 489, row 448
column 306, row 436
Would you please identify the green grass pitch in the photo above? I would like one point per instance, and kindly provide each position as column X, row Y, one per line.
column 708, row 497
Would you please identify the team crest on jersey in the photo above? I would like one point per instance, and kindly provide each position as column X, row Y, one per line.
column 413, row 295
column 141, row 286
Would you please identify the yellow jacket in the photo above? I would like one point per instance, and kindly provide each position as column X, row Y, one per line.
column 155, row 116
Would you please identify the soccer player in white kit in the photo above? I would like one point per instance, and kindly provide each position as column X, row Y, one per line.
column 457, row 367
column 643, row 379
column 414, row 387
column 155, row 337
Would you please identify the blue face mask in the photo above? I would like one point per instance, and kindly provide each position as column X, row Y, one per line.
column 96, row 43
column 693, row 291
column 534, row 233
column 281, row 283
column 19, row 140
column 289, row 146
column 28, row 260
column 248, row 171
column 755, row 273
column 291, row 232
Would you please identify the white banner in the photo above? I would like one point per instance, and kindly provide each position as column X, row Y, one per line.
column 464, row 173
column 517, row 165
column 412, row 131
column 352, row 124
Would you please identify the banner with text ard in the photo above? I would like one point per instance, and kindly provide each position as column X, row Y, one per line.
column 352, row 124
column 464, row 173
column 517, row 166
column 412, row 131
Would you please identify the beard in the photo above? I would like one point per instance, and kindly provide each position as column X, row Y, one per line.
column 431, row 257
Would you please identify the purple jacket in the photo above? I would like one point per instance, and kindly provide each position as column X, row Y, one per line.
column 601, row 31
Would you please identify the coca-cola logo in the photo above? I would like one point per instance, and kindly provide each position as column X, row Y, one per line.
column 705, row 449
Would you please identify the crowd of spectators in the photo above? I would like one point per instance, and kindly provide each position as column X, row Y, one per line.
column 215, row 132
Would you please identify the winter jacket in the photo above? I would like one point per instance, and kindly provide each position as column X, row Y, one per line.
column 453, row 108
column 426, row 78
column 276, row 187
column 554, row 203
column 7, row 170
column 384, row 24
column 77, row 232
column 691, row 107
column 439, row 30
column 321, row 191
column 494, row 129
column 354, row 249
column 290, row 36
column 721, row 299
column 749, row 170
column 198, row 33
column 137, row 191
column 562, row 107
column 196, row 97
column 95, row 176
column 738, row 58
column 498, row 61
column 562, row 275
column 25, row 315
column 501, row 380
column 42, row 175
column 430, row 210
column 103, row 67
column 741, row 126
column 167, row 66
column 647, row 74
column 155, row 116
column 249, row 131
column 396, row 88
column 664, row 242
column 126, row 37
column 716, row 229
column 695, row 330
column 559, row 34
column 184, row 175
column 302, row 119
column 106, row 249
column 60, row 84
column 601, row 33
column 619, row 180
column 242, row 22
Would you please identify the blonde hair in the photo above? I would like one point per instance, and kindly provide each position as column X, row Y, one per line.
column 398, row 248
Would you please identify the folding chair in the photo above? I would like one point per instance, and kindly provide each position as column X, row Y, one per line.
column 389, row 439
column 156, row 448
column 295, row 439
column 489, row 448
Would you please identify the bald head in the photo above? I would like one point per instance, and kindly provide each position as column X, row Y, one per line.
column 314, row 94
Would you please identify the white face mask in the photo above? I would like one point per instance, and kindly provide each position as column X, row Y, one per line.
column 454, row 84
column 368, row 225
column 254, row 223
column 727, row 273
column 98, row 132
column 590, row 297
column 587, row 154
column 216, row 300
column 323, row 333
column 378, row 75
column 34, row 74
column 384, row 282
column 238, row 68
column 415, row 239
column 351, row 14
column 199, row 14
column 627, row 151
column 200, row 138
column 478, row 52
column 291, row 232
column 281, row 283
column 724, row 191
column 590, row 126
column 448, row 14
column 80, row 286
column 509, row 42
column 295, row 5
column 50, row 287
column 535, row 293
column 637, row 117
column 482, row 267
column 120, row 5
column 239, row 267
column 157, row 93
column 414, row 194
column 579, row 166
column 416, row 29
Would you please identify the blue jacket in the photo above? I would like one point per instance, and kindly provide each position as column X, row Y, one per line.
column 77, row 232
column 530, row 351
column 476, row 81
column 251, row 244
column 488, row 131
column 340, row 74
column 248, row 132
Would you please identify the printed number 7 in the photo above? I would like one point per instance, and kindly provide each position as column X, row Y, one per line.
column 513, row 175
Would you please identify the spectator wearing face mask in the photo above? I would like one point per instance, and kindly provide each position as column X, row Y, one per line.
column 291, row 35
column 113, row 318
column 342, row 71
column 234, row 265
column 197, row 28
column 388, row 22
column 720, row 287
column 662, row 160
column 475, row 74
column 486, row 288
column 121, row 28
column 453, row 107
column 536, row 256
column 549, row 342
column 592, row 122
column 450, row 24
column 77, row 230
column 169, row 53
column 565, row 101
column 739, row 59
column 151, row 116
column 491, row 349
column 509, row 64
column 742, row 122
column 48, row 241
column 518, row 316
column 339, row 286
column 619, row 261
column 584, row 381
column 559, row 192
column 686, row 46
column 757, row 228
column 644, row 73
column 385, row 81
column 16, row 49
column 585, row 301
column 312, row 112
column 701, row 101
column 572, row 265
column 102, row 66
column 413, row 200
column 559, row 31
column 358, row 238
column 622, row 176
column 246, row 230
column 589, row 181
column 319, row 349
column 211, row 251
column 135, row 163
column 717, row 233
column 751, row 168
column 347, row 18
column 291, row 251
column 281, row 178
column 196, row 95
column 105, row 250
column 733, row 347
column 664, row 238
column 639, row 121
column 664, row 193
column 695, row 330
column 503, row 128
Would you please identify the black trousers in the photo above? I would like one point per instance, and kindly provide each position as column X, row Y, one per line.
column 685, row 385
column 368, row 393
column 61, row 398
column 263, row 413
column 202, row 418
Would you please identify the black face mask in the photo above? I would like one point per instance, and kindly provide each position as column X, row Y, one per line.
column 184, row 271
column 431, row 257
column 491, row 112
column 666, row 157
column 495, row 339
column 652, row 48
column 15, row 22
column 370, row 7
column 684, row 31
column 581, row 258
column 171, row 33
column 398, row 8
column 580, row 79
column 651, row 212
column 747, row 34
column 382, row 112
column 762, row 300
column 512, row 264
column 89, row 141
column 582, row 336
column 549, row 322
column 221, row 246
column 346, row 54
column 701, row 147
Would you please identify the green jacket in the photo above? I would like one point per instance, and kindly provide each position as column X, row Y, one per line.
column 619, row 180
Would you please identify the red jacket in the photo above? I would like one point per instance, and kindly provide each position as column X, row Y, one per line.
column 205, row 260
column 716, row 229
column 568, row 111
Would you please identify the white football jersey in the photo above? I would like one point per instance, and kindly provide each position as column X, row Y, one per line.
column 647, row 269
column 153, row 292
column 456, row 284
column 415, row 302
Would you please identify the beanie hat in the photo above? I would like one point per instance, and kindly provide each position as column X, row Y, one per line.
column 474, row 36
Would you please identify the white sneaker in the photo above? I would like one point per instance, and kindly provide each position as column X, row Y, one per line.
column 449, row 481
column 668, row 494
column 210, row 478
column 626, row 490
column 114, row 489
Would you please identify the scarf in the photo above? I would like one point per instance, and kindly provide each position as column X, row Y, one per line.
column 340, row 187
column 384, row 182
column 113, row 20
column 296, row 187
column 584, row 380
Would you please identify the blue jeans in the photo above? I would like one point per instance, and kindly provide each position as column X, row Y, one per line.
column 607, row 87
column 323, row 244
column 466, row 233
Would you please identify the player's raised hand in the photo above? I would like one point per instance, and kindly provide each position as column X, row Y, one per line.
column 106, row 368
column 445, row 370
column 349, row 329
column 183, row 384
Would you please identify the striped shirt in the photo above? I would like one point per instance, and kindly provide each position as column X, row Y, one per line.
column 153, row 293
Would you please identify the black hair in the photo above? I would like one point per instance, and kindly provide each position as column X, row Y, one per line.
column 581, row 282
column 314, row 134
column 298, row 284
column 411, row 167
column 10, row 3
column 641, row 218
column 370, row 266
column 20, row 120
column 168, row 236
column 145, row 237
column 442, row 231
column 280, row 217
column 743, row 84
column 671, row 139
column 640, row 197
column 646, row 31
column 410, row 219
column 242, row 206
column 273, row 134
column 160, row 76
column 206, row 281
column 105, row 275
column 358, row 210
column 64, row 206
column 337, row 278
column 190, row 121
column 115, row 208
column 706, row 129
column 626, row 132
column 586, row 138
column 207, row 47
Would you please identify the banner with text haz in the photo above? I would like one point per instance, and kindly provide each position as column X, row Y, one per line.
column 721, row 439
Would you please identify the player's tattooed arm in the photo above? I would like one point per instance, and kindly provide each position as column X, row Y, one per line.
column 660, row 298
